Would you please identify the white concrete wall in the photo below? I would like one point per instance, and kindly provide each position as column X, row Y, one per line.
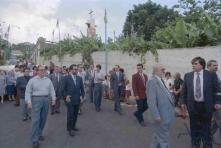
column 174, row 60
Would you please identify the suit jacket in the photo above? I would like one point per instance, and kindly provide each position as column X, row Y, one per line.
column 115, row 81
column 159, row 101
column 139, row 87
column 74, row 90
column 57, row 84
column 21, row 84
column 88, row 79
column 210, row 90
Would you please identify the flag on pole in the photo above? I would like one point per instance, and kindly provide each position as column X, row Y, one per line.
column 57, row 25
column 105, row 17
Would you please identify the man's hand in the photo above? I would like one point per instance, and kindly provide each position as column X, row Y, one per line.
column 53, row 102
column 158, row 120
column 68, row 99
column 183, row 107
column 82, row 99
column 29, row 105
column 217, row 106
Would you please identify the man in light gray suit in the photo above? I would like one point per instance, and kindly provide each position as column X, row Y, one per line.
column 161, row 106
column 56, row 79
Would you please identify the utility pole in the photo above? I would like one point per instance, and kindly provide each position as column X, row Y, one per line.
column 105, row 45
column 114, row 36
column 59, row 36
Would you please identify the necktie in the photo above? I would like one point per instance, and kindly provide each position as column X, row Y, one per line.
column 198, row 86
column 143, row 79
column 171, row 98
column 118, row 76
column 57, row 76
column 74, row 78
column 164, row 83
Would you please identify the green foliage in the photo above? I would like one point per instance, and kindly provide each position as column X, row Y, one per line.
column 133, row 45
column 84, row 45
column 146, row 18
column 198, row 26
column 192, row 9
column 25, row 48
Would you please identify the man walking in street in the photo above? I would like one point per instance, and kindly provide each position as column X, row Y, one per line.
column 117, row 86
column 212, row 65
column 56, row 79
column 38, row 91
column 21, row 86
column 98, row 87
column 161, row 106
column 74, row 92
column 139, row 81
column 199, row 97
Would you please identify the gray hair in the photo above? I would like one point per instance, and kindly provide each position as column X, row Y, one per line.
column 209, row 63
column 156, row 66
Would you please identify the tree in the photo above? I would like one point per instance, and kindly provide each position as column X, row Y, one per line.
column 25, row 48
column 146, row 18
column 84, row 45
column 192, row 9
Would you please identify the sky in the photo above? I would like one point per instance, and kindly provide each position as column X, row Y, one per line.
column 30, row 19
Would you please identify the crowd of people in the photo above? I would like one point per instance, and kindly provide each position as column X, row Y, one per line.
column 40, row 88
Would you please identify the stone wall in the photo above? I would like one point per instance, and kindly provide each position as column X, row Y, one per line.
column 174, row 60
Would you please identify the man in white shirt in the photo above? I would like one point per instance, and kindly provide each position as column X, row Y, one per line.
column 99, row 77
column 212, row 65
column 199, row 97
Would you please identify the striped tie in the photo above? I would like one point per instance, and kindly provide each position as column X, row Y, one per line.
column 198, row 87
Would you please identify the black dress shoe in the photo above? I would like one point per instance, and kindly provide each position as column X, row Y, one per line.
column 57, row 112
column 120, row 113
column 41, row 138
column 195, row 146
column 76, row 130
column 207, row 146
column 52, row 113
column 35, row 145
column 16, row 105
column 71, row 133
column 143, row 124
column 135, row 114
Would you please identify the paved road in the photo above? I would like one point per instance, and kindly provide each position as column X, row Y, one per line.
column 105, row 129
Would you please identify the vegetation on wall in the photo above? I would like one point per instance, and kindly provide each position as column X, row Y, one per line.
column 150, row 26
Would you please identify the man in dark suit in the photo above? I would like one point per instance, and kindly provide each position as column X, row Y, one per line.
column 73, row 91
column 56, row 79
column 117, row 85
column 21, row 84
column 199, row 97
column 139, row 81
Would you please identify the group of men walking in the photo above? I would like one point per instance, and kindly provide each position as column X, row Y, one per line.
column 200, row 97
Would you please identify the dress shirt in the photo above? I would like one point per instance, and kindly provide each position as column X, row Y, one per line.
column 169, row 83
column 99, row 77
column 160, row 79
column 38, row 86
column 201, row 99
column 143, row 78
column 74, row 78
